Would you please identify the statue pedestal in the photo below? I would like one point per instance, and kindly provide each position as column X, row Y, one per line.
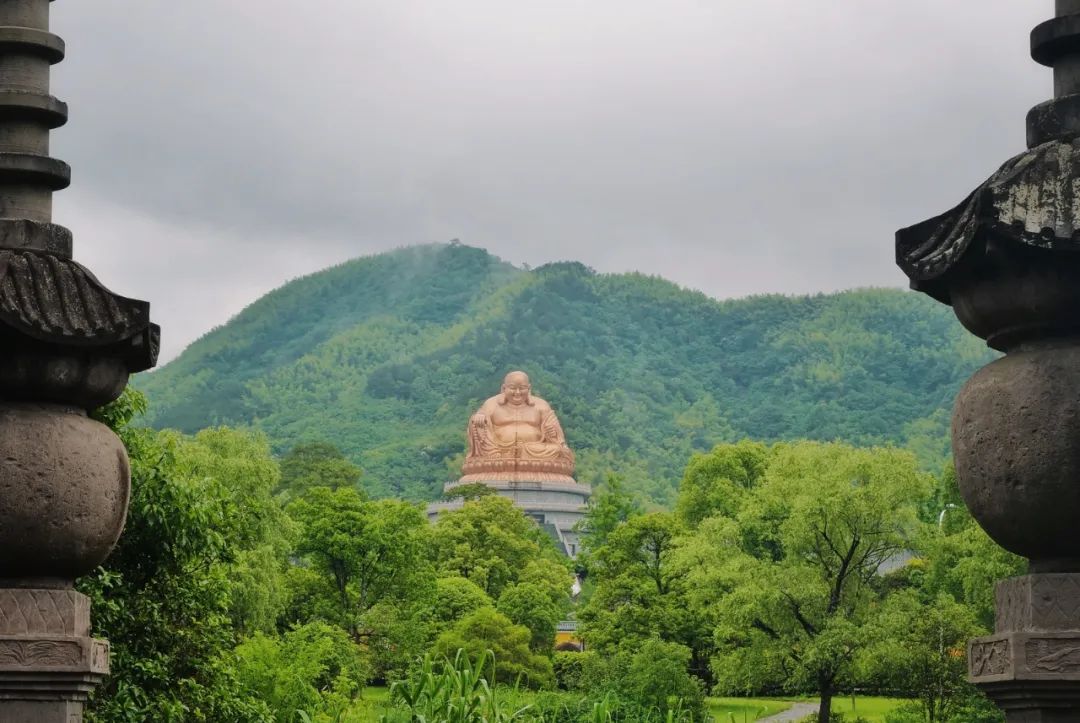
column 48, row 661
column 1030, row 667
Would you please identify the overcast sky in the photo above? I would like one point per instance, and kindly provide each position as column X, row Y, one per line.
column 222, row 147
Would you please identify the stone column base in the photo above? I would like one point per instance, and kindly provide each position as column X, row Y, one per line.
column 1030, row 667
column 48, row 661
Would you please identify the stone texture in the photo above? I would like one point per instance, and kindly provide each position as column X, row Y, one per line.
column 68, row 345
column 1034, row 603
column 1016, row 443
column 1007, row 259
column 28, row 612
column 64, row 482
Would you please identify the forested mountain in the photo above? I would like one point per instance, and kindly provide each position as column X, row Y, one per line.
column 387, row 356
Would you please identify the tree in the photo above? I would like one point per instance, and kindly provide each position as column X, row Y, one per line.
column 455, row 597
column 812, row 537
column 312, row 668
column 488, row 541
column 471, row 491
column 163, row 598
column 716, row 483
column 608, row 508
column 367, row 553
column 487, row 629
column 641, row 593
column 262, row 533
column 316, row 464
column 529, row 604
column 918, row 648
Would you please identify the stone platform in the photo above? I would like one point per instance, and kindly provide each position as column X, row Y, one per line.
column 556, row 506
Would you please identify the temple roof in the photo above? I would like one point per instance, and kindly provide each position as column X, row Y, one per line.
column 56, row 300
column 1033, row 200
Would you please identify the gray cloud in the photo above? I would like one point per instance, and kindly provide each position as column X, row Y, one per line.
column 221, row 147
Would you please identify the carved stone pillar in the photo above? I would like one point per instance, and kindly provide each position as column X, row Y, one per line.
column 1008, row 261
column 67, row 346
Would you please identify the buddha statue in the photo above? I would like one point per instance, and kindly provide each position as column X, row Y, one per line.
column 515, row 436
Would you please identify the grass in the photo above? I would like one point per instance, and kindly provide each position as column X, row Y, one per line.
column 872, row 709
column 745, row 710
column 741, row 710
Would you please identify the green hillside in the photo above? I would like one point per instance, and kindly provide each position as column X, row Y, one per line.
column 386, row 356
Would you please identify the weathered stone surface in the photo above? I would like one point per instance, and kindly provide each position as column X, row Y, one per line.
column 1025, row 656
column 1016, row 444
column 64, row 482
column 55, row 612
column 1007, row 259
column 67, row 345
column 1034, row 603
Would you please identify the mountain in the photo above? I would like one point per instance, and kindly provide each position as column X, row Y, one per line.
column 387, row 356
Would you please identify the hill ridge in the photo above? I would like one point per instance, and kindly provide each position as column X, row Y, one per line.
column 387, row 355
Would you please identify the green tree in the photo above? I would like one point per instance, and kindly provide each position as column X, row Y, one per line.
column 608, row 508
column 366, row 553
column 488, row 541
column 316, row 464
column 486, row 629
column 455, row 597
column 813, row 534
column 641, row 592
column 163, row 598
column 717, row 482
column 313, row 668
column 919, row 649
column 262, row 535
column 529, row 604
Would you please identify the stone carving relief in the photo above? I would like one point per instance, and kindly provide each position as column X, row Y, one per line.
column 989, row 658
column 55, row 612
column 40, row 653
column 1055, row 601
column 1053, row 656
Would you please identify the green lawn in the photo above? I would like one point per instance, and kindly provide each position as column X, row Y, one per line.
column 872, row 709
column 744, row 710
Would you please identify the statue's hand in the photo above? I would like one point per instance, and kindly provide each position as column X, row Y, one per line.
column 478, row 420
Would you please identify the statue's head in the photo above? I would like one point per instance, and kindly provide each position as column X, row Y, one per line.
column 516, row 389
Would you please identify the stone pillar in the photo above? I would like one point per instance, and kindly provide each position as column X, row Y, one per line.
column 1007, row 259
column 67, row 346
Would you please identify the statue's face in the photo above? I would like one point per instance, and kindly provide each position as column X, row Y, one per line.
column 516, row 389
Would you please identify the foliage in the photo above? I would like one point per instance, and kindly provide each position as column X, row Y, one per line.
column 456, row 597
column 387, row 356
column 316, row 464
column 163, row 599
column 529, row 604
column 454, row 690
column 716, row 483
column 487, row 630
column 370, row 559
column 314, row 668
column 261, row 536
column 488, row 541
column 919, row 650
column 641, row 591
column 789, row 579
column 609, row 506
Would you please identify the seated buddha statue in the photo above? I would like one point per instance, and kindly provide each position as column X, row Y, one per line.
column 515, row 436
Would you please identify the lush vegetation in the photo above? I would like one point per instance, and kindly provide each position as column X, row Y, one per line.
column 770, row 520
column 246, row 589
column 385, row 357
